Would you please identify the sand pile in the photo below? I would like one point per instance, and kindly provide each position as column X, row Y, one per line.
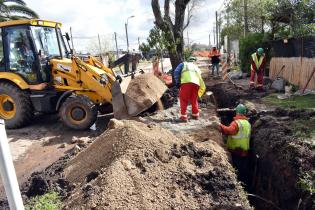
column 139, row 166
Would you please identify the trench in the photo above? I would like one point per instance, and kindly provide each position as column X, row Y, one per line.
column 270, row 176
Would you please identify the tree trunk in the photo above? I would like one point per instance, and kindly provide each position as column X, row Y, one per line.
column 174, row 31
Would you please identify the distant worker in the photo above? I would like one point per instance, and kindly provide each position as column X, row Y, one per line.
column 188, row 78
column 214, row 56
column 238, row 140
column 258, row 65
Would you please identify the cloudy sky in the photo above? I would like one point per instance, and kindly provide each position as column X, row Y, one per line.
column 88, row 18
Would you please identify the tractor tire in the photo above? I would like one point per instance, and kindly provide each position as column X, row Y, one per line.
column 15, row 106
column 78, row 112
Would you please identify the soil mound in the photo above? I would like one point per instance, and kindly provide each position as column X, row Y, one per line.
column 139, row 166
column 143, row 91
column 285, row 169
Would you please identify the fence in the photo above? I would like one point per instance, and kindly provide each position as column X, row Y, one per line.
column 298, row 57
column 297, row 70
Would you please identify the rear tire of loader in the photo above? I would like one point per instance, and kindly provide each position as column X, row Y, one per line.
column 78, row 112
column 15, row 106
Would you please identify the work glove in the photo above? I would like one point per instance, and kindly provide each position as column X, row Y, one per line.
column 215, row 125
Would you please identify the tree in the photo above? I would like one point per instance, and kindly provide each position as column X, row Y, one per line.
column 15, row 10
column 156, row 41
column 293, row 18
column 145, row 49
column 173, row 29
column 280, row 17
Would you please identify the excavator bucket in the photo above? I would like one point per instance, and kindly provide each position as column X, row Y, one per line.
column 134, row 96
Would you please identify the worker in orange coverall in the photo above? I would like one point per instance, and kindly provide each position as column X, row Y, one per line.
column 214, row 55
column 238, row 142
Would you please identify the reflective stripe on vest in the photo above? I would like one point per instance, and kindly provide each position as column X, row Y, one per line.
column 257, row 61
column 242, row 138
column 190, row 74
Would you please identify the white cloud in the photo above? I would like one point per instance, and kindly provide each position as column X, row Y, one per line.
column 104, row 17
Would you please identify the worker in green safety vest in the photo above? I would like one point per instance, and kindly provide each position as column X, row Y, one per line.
column 191, row 86
column 258, row 65
column 238, row 141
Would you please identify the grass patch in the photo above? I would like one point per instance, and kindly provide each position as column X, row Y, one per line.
column 299, row 102
column 48, row 201
column 306, row 184
column 305, row 130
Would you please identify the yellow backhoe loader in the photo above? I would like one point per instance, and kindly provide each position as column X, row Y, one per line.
column 39, row 73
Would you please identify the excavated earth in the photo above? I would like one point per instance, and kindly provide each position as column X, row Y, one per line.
column 138, row 165
column 155, row 162
column 282, row 168
column 150, row 162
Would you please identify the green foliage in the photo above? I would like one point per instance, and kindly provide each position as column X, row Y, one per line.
column 306, row 184
column 293, row 17
column 299, row 102
column 111, row 58
column 248, row 46
column 281, row 18
column 144, row 48
column 234, row 31
column 187, row 53
column 48, row 201
column 257, row 12
column 15, row 10
column 157, row 40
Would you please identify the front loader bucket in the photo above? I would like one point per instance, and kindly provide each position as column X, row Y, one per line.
column 138, row 95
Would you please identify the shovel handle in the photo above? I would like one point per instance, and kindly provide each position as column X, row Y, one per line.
column 308, row 81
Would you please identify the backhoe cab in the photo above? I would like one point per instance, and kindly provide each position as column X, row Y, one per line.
column 39, row 74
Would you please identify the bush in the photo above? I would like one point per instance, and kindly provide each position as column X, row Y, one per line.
column 248, row 46
column 48, row 201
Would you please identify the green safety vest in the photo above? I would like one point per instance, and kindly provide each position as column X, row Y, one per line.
column 191, row 74
column 257, row 61
column 241, row 139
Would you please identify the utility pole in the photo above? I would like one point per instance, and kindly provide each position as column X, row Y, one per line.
column 127, row 36
column 209, row 41
column 71, row 40
column 139, row 43
column 216, row 29
column 187, row 38
column 126, row 27
column 228, row 24
column 245, row 18
column 214, row 35
column 99, row 44
column 116, row 45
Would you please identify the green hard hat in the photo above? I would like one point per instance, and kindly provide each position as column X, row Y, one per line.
column 240, row 109
column 260, row 51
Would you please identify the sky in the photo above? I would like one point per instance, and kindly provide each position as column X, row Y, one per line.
column 91, row 18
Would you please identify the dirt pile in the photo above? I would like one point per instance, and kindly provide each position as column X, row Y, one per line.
column 285, row 169
column 139, row 166
column 143, row 91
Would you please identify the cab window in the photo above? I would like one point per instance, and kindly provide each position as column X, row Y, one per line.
column 2, row 63
column 21, row 54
